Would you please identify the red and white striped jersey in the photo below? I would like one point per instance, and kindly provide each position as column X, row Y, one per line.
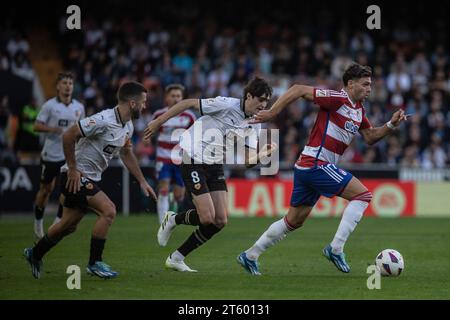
column 166, row 142
column 338, row 121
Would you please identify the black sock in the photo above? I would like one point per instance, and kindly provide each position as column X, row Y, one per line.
column 197, row 238
column 60, row 211
column 38, row 212
column 43, row 246
column 97, row 246
column 189, row 217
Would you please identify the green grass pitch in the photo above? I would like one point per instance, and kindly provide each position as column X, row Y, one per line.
column 293, row 269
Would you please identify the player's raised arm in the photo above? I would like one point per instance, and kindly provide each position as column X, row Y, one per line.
column 373, row 135
column 178, row 108
column 295, row 92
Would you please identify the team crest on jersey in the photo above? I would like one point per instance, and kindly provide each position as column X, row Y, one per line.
column 351, row 127
column 322, row 93
column 77, row 113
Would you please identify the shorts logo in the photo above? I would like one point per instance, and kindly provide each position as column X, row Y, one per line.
column 342, row 172
column 197, row 186
column 89, row 186
column 322, row 93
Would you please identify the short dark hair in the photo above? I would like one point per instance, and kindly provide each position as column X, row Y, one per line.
column 356, row 71
column 257, row 87
column 175, row 86
column 130, row 90
column 64, row 75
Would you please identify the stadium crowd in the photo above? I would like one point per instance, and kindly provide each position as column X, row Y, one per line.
column 212, row 58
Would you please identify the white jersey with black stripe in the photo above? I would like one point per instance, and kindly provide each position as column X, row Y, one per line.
column 104, row 134
column 223, row 124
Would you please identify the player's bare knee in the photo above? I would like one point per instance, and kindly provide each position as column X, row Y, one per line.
column 110, row 213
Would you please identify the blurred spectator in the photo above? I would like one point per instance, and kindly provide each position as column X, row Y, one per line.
column 434, row 156
column 214, row 56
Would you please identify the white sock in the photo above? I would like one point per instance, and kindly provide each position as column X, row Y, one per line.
column 350, row 218
column 39, row 227
column 177, row 256
column 57, row 219
column 276, row 232
column 162, row 206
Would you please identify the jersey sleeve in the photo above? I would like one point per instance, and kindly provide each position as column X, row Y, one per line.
column 213, row 105
column 92, row 125
column 328, row 99
column 44, row 113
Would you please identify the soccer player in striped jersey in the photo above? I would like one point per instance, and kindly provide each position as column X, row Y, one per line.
column 167, row 162
column 341, row 115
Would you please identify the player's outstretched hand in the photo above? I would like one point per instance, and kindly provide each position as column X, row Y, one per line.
column 147, row 190
column 73, row 184
column 262, row 116
column 398, row 117
column 151, row 129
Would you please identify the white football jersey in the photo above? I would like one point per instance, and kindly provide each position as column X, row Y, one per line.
column 223, row 124
column 55, row 113
column 104, row 134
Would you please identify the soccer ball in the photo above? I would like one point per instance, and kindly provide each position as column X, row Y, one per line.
column 390, row 263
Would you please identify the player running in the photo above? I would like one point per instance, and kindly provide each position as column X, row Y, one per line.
column 341, row 116
column 100, row 137
column 167, row 164
column 222, row 118
column 55, row 117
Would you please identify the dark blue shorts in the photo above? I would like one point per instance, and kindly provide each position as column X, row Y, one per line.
column 170, row 171
column 309, row 184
